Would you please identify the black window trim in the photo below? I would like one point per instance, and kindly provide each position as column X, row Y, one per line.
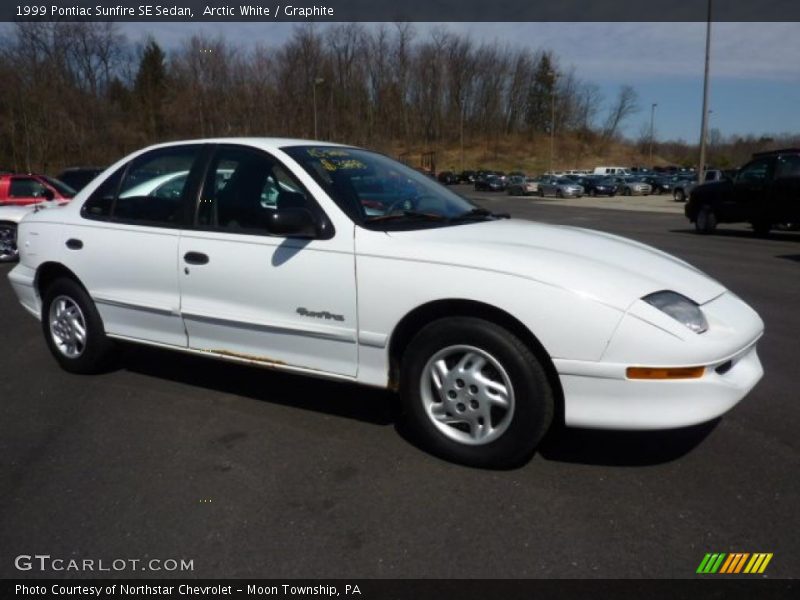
column 327, row 230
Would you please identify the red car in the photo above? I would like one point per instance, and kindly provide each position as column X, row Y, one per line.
column 22, row 190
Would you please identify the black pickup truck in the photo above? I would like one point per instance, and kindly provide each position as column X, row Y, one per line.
column 765, row 192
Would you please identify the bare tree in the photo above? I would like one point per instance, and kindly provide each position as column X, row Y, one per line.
column 626, row 104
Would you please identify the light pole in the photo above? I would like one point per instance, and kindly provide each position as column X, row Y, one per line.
column 553, row 121
column 652, row 129
column 704, row 125
column 317, row 81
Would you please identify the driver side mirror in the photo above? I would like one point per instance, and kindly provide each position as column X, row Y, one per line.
column 292, row 222
column 48, row 194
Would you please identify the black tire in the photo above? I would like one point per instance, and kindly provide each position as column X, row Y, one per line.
column 627, row 192
column 679, row 196
column 97, row 349
column 541, row 193
column 761, row 228
column 706, row 220
column 8, row 242
column 559, row 194
column 533, row 403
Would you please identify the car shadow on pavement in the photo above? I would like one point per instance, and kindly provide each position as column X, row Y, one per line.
column 623, row 448
column 371, row 405
column 777, row 236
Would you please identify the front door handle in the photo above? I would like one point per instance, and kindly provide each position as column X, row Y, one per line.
column 195, row 258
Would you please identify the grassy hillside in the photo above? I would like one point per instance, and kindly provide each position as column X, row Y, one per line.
column 520, row 153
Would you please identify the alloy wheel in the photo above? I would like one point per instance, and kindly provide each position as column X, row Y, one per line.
column 467, row 395
column 67, row 326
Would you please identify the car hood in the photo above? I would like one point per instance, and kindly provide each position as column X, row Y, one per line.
column 607, row 268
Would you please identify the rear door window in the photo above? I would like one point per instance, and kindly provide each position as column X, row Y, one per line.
column 153, row 188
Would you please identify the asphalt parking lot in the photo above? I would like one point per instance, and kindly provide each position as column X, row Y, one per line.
column 257, row 474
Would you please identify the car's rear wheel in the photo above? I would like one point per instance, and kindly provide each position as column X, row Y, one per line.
column 73, row 328
column 706, row 220
column 474, row 393
column 8, row 242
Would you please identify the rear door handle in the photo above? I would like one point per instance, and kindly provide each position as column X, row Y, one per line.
column 195, row 258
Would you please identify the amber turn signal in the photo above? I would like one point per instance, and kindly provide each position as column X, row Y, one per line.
column 665, row 373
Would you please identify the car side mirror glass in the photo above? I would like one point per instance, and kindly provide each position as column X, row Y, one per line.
column 292, row 222
column 48, row 194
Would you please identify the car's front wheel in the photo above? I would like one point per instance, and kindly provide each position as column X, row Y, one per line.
column 474, row 393
column 8, row 242
column 706, row 220
column 73, row 328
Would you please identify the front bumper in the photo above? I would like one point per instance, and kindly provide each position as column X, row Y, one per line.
column 599, row 394
column 22, row 281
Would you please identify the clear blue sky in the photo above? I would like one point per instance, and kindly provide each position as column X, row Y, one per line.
column 755, row 84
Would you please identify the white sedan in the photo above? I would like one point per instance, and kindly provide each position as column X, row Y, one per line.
column 365, row 270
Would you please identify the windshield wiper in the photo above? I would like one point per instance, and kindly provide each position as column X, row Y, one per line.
column 480, row 213
column 407, row 214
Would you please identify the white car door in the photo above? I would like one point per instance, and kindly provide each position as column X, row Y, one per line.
column 269, row 299
column 126, row 250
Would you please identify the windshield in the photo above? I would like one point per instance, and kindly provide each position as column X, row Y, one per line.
column 61, row 187
column 374, row 189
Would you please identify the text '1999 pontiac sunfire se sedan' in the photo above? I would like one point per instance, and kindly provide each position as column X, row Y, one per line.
column 339, row 262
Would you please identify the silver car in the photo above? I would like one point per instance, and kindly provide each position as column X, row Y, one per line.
column 560, row 187
column 634, row 187
column 522, row 186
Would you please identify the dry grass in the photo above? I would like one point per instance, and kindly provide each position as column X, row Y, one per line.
column 520, row 153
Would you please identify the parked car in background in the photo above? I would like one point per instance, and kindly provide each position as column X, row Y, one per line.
column 684, row 185
column 560, row 187
column 490, row 183
column 29, row 188
column 599, row 186
column 447, row 177
column 518, row 326
column 79, row 177
column 519, row 185
column 765, row 192
column 632, row 186
column 659, row 183
column 10, row 218
column 610, row 171
column 19, row 195
column 466, row 177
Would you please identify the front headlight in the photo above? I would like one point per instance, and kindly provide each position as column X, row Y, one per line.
column 679, row 308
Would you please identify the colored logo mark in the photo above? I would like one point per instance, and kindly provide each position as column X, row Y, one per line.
column 736, row 562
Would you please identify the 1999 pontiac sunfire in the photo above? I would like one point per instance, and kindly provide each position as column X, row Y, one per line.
column 339, row 262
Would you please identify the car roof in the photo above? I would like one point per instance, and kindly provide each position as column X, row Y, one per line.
column 265, row 143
